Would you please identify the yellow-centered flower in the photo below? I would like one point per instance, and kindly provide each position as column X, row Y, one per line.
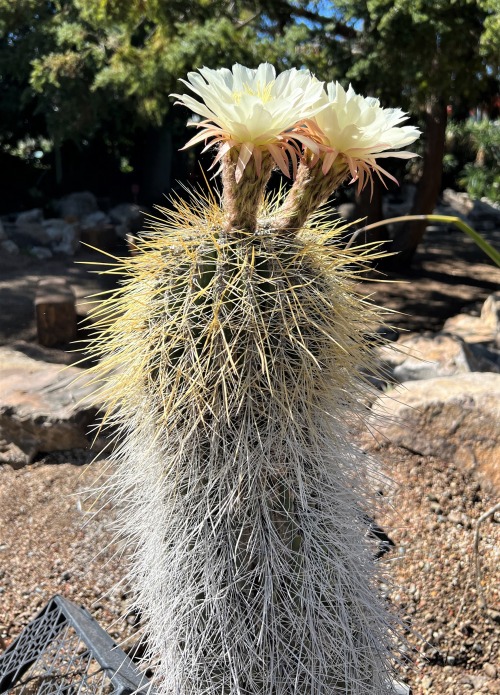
column 254, row 111
column 358, row 131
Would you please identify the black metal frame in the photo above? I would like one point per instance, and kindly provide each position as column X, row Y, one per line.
column 64, row 650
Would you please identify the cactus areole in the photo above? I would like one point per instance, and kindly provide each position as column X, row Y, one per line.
column 231, row 360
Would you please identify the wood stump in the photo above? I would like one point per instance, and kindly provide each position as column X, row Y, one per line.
column 101, row 238
column 55, row 312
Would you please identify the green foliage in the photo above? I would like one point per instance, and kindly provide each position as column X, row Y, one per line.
column 75, row 67
column 475, row 151
column 411, row 50
column 100, row 71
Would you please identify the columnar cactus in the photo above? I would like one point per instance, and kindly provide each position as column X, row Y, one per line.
column 232, row 360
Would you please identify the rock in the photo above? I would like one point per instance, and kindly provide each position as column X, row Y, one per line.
column 44, row 354
column 42, row 408
column 427, row 682
column 3, row 233
column 69, row 241
column 485, row 212
column 127, row 217
column 41, row 252
column 9, row 247
column 347, row 211
column 34, row 216
column 490, row 670
column 493, row 615
column 459, row 202
column 75, row 206
column 57, row 229
column 95, row 220
column 478, row 329
column 455, row 418
column 429, row 356
column 490, row 313
column 32, row 233
column 56, row 234
column 475, row 210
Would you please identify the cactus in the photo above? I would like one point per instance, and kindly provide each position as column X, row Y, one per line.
column 232, row 361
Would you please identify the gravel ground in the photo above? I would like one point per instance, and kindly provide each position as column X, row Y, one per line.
column 49, row 544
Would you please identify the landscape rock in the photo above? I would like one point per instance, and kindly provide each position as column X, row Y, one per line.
column 490, row 670
column 69, row 242
column 347, row 211
column 127, row 218
column 34, row 216
column 54, row 234
column 31, row 233
column 42, row 407
column 44, row 354
column 41, row 252
column 456, row 418
column 55, row 228
column 75, row 206
column 475, row 210
column 95, row 220
column 428, row 356
column 490, row 312
column 9, row 246
column 478, row 329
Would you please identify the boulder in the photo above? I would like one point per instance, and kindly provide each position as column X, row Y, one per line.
column 475, row 210
column 96, row 220
column 29, row 233
column 44, row 354
column 69, row 241
column 478, row 329
column 44, row 407
column 40, row 252
column 347, row 211
column 55, row 234
column 34, row 216
column 75, row 206
column 429, row 356
column 127, row 218
column 490, row 312
column 9, row 246
column 455, row 418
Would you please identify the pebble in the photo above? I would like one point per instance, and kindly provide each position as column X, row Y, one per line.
column 490, row 670
column 427, row 682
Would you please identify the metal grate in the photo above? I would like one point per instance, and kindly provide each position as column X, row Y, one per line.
column 64, row 650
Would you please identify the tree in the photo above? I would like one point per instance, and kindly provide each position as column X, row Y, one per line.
column 91, row 76
column 427, row 55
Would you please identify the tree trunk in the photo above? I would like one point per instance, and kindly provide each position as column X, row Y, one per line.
column 369, row 208
column 409, row 237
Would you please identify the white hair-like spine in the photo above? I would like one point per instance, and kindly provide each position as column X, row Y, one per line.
column 231, row 367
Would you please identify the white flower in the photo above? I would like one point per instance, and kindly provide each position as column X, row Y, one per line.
column 359, row 131
column 254, row 111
